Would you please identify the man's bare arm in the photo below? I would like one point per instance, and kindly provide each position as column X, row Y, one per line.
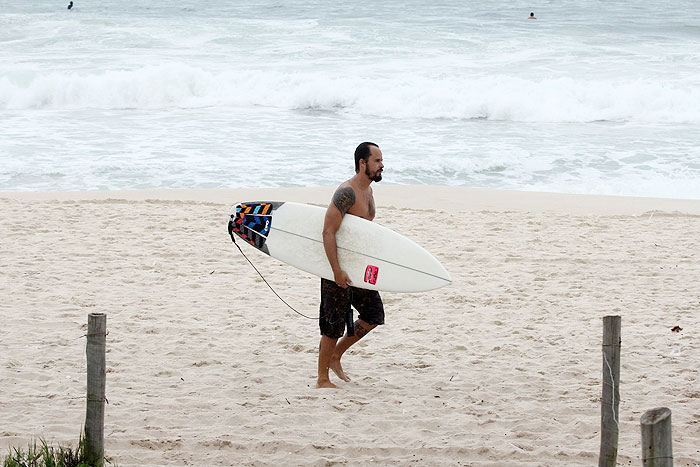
column 343, row 199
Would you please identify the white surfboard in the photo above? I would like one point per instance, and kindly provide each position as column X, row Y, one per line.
column 374, row 256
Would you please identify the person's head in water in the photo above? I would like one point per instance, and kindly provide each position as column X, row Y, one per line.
column 532, row 16
column 372, row 155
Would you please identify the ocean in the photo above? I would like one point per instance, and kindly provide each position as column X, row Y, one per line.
column 590, row 97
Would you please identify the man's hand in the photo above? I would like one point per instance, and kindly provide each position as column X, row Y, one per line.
column 342, row 279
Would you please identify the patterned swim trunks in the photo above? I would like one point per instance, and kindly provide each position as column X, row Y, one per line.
column 336, row 302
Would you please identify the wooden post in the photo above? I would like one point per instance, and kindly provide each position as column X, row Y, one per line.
column 96, row 379
column 657, row 449
column 610, row 401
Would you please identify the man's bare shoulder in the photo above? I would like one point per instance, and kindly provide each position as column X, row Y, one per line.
column 344, row 197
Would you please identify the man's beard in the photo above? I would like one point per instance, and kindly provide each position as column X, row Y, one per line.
column 377, row 175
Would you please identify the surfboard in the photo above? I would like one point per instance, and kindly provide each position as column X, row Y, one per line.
column 375, row 257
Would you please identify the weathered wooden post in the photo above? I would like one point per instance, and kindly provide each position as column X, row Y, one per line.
column 657, row 444
column 610, row 401
column 96, row 379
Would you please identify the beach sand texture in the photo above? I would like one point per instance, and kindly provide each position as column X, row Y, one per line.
column 207, row 367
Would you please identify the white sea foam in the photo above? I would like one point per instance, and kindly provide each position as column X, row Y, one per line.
column 495, row 97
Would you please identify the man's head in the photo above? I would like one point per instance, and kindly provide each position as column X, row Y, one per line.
column 368, row 156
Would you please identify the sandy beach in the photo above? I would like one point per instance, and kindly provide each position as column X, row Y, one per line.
column 207, row 367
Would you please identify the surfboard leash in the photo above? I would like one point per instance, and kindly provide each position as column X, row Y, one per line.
column 265, row 280
column 348, row 315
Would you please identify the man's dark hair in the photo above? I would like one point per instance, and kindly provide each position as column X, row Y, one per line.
column 363, row 151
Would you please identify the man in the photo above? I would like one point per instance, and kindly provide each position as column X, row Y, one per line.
column 354, row 197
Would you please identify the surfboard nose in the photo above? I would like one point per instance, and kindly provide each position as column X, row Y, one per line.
column 441, row 277
column 447, row 275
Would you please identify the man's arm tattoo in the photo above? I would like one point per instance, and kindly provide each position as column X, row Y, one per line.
column 344, row 198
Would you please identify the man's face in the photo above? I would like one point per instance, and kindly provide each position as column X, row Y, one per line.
column 374, row 165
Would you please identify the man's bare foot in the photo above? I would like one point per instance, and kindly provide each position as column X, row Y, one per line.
column 326, row 383
column 338, row 369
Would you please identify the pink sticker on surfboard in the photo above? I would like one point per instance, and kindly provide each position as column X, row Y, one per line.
column 371, row 274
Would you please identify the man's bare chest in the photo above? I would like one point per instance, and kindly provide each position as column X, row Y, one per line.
column 363, row 207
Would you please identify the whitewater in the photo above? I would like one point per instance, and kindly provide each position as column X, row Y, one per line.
column 590, row 97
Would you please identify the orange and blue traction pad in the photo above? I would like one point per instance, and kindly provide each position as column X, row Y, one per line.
column 252, row 222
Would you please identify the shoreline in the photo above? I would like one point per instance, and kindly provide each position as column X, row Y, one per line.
column 444, row 198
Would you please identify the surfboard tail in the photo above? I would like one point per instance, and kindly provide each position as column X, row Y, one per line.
column 252, row 223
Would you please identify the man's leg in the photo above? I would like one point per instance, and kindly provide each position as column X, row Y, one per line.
column 334, row 302
column 325, row 353
column 361, row 330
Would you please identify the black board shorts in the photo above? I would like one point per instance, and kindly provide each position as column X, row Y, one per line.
column 335, row 308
